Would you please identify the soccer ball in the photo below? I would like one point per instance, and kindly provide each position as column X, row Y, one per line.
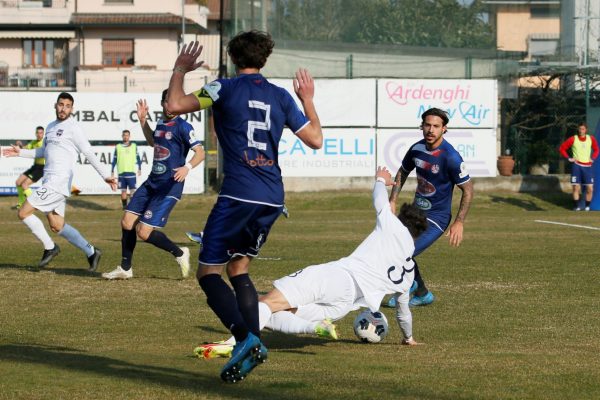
column 371, row 327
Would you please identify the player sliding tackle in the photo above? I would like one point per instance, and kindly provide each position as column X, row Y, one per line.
column 309, row 299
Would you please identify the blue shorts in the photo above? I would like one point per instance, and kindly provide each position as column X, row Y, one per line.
column 152, row 206
column 127, row 180
column 236, row 228
column 427, row 238
column 581, row 175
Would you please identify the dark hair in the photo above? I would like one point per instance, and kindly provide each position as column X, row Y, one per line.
column 126, row 130
column 582, row 124
column 164, row 95
column 65, row 95
column 39, row 127
column 436, row 112
column 413, row 218
column 250, row 49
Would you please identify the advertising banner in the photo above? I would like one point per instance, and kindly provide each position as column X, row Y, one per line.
column 87, row 179
column 345, row 152
column 341, row 102
column 102, row 116
column 469, row 103
column 476, row 146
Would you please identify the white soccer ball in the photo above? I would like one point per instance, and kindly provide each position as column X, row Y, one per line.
column 371, row 327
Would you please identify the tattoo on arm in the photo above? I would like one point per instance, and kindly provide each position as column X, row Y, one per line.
column 400, row 179
column 465, row 201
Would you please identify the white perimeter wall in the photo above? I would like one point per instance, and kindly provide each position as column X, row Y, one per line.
column 366, row 122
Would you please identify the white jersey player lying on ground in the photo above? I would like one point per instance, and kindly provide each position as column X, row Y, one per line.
column 308, row 300
column 63, row 142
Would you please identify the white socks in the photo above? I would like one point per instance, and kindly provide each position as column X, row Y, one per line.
column 39, row 231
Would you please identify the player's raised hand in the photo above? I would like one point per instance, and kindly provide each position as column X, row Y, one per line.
column 455, row 233
column 186, row 60
column 383, row 172
column 142, row 111
column 112, row 182
column 304, row 85
column 12, row 151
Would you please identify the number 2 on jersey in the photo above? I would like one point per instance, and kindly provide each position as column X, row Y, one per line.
column 261, row 125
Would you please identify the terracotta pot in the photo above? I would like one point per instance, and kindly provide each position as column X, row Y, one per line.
column 505, row 165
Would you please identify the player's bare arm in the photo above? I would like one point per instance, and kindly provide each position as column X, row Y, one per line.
column 456, row 229
column 399, row 181
column 142, row 113
column 12, row 151
column 182, row 172
column 304, row 87
column 177, row 101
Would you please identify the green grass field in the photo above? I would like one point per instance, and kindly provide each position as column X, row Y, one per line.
column 517, row 314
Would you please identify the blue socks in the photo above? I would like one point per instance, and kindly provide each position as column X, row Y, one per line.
column 75, row 238
column 247, row 301
column 222, row 301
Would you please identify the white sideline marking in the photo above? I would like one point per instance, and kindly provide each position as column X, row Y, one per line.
column 573, row 225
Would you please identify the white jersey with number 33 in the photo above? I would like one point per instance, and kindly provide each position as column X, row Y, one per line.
column 382, row 264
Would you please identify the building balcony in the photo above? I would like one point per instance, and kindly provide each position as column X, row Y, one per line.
column 34, row 78
column 139, row 78
column 46, row 12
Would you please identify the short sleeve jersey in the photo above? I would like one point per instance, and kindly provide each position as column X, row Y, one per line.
column 437, row 171
column 250, row 114
column 173, row 140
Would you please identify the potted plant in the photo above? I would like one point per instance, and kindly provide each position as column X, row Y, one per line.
column 539, row 154
column 505, row 164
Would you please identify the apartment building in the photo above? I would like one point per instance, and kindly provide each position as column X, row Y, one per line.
column 97, row 45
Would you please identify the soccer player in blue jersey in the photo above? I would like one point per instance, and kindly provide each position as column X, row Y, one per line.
column 249, row 115
column 151, row 204
column 439, row 167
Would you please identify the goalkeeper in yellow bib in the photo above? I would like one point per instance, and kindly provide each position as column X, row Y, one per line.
column 33, row 174
column 125, row 159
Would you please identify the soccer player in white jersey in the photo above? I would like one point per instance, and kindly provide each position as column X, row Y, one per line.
column 309, row 299
column 63, row 142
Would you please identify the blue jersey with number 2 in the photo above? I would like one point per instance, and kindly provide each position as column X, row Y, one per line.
column 250, row 114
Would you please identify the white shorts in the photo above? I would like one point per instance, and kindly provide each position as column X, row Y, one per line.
column 47, row 200
column 319, row 291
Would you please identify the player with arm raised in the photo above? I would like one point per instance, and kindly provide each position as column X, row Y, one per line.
column 309, row 299
column 152, row 203
column 63, row 142
column 439, row 167
column 250, row 114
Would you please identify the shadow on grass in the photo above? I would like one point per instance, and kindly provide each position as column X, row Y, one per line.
column 28, row 268
column 276, row 340
column 527, row 205
column 79, row 361
column 87, row 205
column 59, row 271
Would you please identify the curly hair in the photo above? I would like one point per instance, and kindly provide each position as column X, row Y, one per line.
column 413, row 218
column 250, row 49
